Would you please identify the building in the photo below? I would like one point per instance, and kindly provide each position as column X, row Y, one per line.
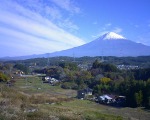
column 50, row 80
column 107, row 99
column 113, row 100
column 82, row 94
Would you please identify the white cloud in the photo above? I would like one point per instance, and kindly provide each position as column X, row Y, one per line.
column 24, row 28
column 69, row 25
column 68, row 5
column 53, row 12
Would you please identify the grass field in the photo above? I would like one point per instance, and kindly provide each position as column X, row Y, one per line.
column 30, row 99
column 33, row 85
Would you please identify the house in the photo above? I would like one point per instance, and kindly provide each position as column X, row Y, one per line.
column 53, row 81
column 19, row 72
column 47, row 78
column 107, row 99
column 50, row 80
column 82, row 94
column 113, row 100
column 128, row 67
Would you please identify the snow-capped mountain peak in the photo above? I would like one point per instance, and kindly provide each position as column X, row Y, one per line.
column 112, row 35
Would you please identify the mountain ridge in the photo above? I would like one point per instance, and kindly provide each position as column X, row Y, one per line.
column 109, row 44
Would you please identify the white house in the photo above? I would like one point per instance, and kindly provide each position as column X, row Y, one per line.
column 106, row 99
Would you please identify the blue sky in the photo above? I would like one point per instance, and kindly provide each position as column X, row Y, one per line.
column 44, row 26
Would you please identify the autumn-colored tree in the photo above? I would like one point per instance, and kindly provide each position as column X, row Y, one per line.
column 105, row 80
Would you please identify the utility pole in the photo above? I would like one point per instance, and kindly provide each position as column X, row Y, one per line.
column 1, row 89
column 102, row 57
column 73, row 57
column 48, row 60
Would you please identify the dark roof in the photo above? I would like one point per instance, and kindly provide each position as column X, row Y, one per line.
column 88, row 90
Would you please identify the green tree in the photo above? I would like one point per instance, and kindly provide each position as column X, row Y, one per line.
column 147, row 93
column 110, row 68
column 21, row 67
column 68, row 65
column 139, row 98
column 96, row 64
column 3, row 77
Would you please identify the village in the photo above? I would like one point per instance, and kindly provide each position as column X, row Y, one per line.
column 86, row 94
column 83, row 94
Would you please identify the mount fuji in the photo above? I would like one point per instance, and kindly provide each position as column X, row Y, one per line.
column 109, row 44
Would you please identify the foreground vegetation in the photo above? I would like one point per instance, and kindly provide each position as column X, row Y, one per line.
column 25, row 101
column 48, row 103
column 24, row 95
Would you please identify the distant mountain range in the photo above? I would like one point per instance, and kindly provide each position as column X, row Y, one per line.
column 109, row 44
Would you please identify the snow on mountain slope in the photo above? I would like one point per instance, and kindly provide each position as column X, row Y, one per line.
column 112, row 35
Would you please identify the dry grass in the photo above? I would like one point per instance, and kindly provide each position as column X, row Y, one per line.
column 18, row 105
column 54, row 103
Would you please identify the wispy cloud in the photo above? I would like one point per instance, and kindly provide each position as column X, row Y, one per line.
column 68, row 5
column 67, row 23
column 30, row 27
